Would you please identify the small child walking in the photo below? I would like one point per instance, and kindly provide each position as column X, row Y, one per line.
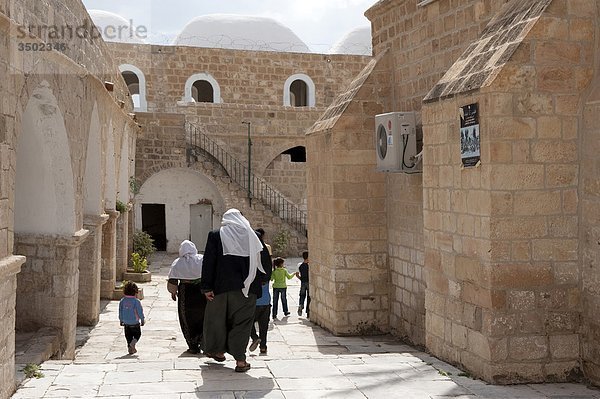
column 278, row 277
column 261, row 315
column 302, row 274
column 131, row 315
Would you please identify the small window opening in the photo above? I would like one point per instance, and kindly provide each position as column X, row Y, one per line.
column 299, row 93
column 297, row 154
column 202, row 92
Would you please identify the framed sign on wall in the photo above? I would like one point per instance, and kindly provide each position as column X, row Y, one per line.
column 470, row 147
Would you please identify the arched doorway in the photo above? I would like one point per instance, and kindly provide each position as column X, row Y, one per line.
column 178, row 204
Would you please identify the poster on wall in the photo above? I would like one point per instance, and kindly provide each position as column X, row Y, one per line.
column 470, row 149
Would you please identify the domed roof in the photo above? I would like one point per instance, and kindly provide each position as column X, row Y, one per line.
column 357, row 42
column 240, row 32
column 105, row 19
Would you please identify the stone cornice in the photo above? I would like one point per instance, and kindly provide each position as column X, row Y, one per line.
column 11, row 265
column 64, row 241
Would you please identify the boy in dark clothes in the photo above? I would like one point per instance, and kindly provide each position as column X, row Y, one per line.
column 302, row 274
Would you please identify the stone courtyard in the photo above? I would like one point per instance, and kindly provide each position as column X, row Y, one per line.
column 304, row 361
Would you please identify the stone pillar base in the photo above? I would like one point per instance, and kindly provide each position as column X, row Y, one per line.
column 109, row 255
column 48, row 285
column 88, row 306
column 9, row 267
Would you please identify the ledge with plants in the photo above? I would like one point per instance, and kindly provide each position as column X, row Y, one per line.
column 143, row 248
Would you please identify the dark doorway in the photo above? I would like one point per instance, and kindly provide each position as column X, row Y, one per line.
column 297, row 154
column 153, row 223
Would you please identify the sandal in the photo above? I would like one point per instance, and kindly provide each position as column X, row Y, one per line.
column 242, row 369
column 215, row 357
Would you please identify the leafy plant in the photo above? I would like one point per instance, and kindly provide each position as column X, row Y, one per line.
column 143, row 244
column 32, row 370
column 121, row 207
column 281, row 241
column 134, row 185
column 139, row 263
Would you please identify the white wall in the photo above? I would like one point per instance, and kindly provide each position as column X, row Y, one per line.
column 178, row 189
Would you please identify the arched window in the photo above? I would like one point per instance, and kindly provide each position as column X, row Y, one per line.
column 299, row 91
column 202, row 88
column 136, row 83
column 202, row 92
column 297, row 154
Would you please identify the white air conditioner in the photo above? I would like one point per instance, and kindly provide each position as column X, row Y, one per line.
column 397, row 142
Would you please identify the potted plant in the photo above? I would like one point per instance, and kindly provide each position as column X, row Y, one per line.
column 143, row 247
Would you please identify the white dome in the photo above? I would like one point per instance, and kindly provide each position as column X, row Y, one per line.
column 240, row 32
column 109, row 23
column 357, row 42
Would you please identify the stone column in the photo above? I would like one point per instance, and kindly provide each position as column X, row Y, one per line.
column 109, row 255
column 48, row 286
column 122, row 250
column 88, row 307
column 9, row 267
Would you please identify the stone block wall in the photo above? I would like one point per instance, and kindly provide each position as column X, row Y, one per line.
column 48, row 286
column 9, row 267
column 502, row 240
column 589, row 237
column 289, row 178
column 423, row 42
column 346, row 200
column 244, row 77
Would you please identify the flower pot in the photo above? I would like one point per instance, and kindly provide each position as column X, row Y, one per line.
column 143, row 277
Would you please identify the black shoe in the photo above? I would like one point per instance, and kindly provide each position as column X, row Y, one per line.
column 193, row 351
column 286, row 314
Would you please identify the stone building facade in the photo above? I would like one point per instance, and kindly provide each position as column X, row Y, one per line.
column 491, row 267
column 247, row 86
column 66, row 153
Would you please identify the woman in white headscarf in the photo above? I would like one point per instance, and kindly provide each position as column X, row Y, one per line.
column 184, row 286
column 234, row 267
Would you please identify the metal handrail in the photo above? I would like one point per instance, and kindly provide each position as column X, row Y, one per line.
column 238, row 172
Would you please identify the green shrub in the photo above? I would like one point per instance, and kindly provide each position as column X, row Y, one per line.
column 32, row 370
column 143, row 244
column 139, row 263
column 121, row 207
column 281, row 241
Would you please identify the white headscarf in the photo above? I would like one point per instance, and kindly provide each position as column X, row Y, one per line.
column 239, row 239
column 189, row 264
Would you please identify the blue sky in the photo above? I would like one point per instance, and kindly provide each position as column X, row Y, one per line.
column 319, row 23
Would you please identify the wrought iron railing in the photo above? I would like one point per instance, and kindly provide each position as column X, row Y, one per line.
column 256, row 187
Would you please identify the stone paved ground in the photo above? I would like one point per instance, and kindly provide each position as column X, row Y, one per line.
column 304, row 361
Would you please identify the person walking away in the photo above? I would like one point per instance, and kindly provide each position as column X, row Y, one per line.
column 261, row 316
column 278, row 277
column 261, row 234
column 302, row 274
column 131, row 316
column 234, row 266
column 184, row 286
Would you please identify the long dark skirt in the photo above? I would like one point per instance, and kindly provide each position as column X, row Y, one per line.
column 191, row 304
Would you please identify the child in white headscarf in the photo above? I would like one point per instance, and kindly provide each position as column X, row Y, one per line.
column 184, row 284
column 234, row 267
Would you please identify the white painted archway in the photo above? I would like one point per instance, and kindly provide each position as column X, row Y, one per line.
column 143, row 106
column 44, row 188
column 123, row 188
column 92, row 181
column 177, row 189
column 311, row 101
column 110, row 186
column 187, row 94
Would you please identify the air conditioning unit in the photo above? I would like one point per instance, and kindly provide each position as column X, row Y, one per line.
column 397, row 142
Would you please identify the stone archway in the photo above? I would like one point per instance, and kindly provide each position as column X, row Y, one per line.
column 177, row 189
column 44, row 222
column 287, row 173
